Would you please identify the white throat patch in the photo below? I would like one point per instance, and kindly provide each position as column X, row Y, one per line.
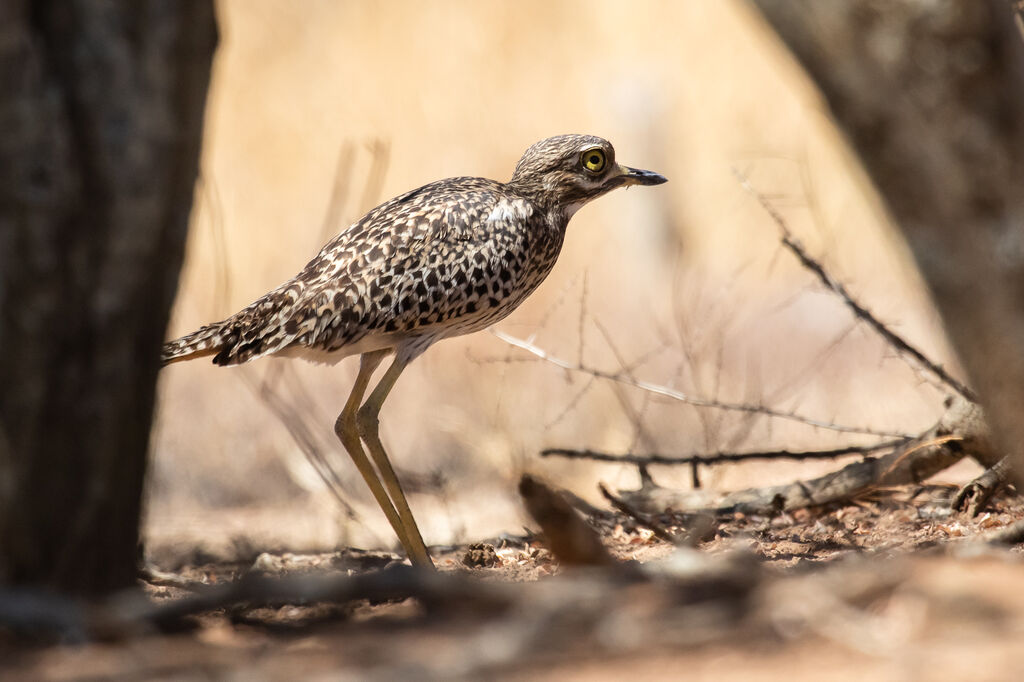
column 507, row 211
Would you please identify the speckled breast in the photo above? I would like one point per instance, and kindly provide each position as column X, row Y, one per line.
column 463, row 287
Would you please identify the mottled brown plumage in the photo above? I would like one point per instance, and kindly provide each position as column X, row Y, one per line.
column 449, row 258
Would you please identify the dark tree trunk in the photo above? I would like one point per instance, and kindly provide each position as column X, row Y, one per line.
column 100, row 124
column 931, row 96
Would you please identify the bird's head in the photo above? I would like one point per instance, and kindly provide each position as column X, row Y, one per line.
column 563, row 173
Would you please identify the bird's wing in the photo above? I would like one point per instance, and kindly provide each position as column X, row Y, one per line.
column 343, row 286
column 452, row 209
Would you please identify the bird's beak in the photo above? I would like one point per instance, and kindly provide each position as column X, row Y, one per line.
column 634, row 176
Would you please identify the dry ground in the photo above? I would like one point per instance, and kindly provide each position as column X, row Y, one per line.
column 895, row 587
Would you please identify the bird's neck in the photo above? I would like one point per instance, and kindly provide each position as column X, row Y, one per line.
column 544, row 202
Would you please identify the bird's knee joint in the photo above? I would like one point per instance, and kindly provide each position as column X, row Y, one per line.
column 367, row 420
column 345, row 423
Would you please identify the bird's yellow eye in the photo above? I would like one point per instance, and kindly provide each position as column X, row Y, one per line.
column 593, row 160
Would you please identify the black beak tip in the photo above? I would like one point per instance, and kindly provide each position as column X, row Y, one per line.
column 643, row 177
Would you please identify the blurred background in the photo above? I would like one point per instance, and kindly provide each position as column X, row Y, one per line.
column 683, row 285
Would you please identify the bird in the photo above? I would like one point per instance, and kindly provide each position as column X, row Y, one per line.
column 449, row 258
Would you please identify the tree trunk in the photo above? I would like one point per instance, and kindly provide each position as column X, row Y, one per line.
column 100, row 128
column 931, row 96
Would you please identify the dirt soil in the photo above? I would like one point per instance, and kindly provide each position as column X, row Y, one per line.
column 892, row 587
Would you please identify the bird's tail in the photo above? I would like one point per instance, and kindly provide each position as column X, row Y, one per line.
column 206, row 341
column 263, row 327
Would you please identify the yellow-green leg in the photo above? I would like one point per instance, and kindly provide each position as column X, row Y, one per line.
column 367, row 419
column 348, row 432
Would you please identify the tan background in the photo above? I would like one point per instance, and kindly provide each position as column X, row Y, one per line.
column 686, row 278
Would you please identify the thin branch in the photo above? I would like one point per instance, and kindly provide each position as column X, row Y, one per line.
column 581, row 333
column 647, row 520
column 673, row 394
column 578, row 396
column 573, row 402
column 721, row 457
column 859, row 311
column 380, row 158
column 815, row 363
column 303, row 436
column 556, row 303
column 691, row 342
column 634, row 415
column 222, row 274
column 339, row 191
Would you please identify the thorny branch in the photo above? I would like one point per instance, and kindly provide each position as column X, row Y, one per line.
column 859, row 311
column 960, row 432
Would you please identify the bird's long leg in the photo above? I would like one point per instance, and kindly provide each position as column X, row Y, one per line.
column 368, row 421
column 348, row 432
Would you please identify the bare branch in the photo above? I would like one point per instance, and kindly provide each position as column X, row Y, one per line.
column 380, row 158
column 339, row 191
column 860, row 312
column 567, row 535
column 975, row 496
column 673, row 394
column 960, row 432
column 573, row 402
column 637, row 515
column 581, row 332
column 635, row 416
column 721, row 457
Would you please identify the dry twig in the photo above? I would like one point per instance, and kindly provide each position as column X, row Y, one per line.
column 859, row 311
column 643, row 519
column 673, row 394
column 721, row 457
column 975, row 496
column 567, row 535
